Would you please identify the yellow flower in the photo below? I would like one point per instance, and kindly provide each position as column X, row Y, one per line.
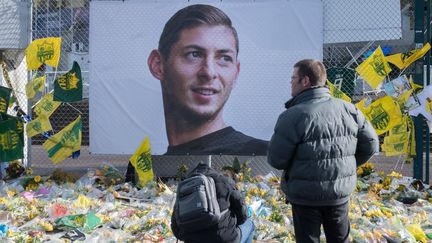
column 31, row 215
column 83, row 202
column 369, row 165
column 37, row 178
column 104, row 218
column 29, row 171
column 273, row 202
column 395, row 174
column 10, row 233
column 29, row 239
column 47, row 226
column 377, row 234
column 11, row 193
column 31, row 187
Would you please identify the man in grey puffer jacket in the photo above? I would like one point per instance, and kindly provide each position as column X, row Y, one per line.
column 319, row 142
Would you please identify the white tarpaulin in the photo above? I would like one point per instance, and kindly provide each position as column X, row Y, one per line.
column 126, row 100
column 14, row 22
column 367, row 20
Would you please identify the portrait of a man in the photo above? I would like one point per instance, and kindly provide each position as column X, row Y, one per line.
column 197, row 79
column 197, row 65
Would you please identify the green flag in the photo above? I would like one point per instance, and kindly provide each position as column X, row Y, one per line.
column 4, row 98
column 343, row 78
column 11, row 144
column 19, row 124
column 12, row 100
column 68, row 87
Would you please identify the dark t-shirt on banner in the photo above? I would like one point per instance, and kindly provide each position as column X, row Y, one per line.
column 226, row 141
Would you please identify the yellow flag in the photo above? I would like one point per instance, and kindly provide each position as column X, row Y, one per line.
column 403, row 60
column 361, row 104
column 64, row 143
column 383, row 114
column 45, row 50
column 374, row 69
column 403, row 98
column 428, row 104
column 35, row 86
column 412, row 142
column 142, row 162
column 46, row 105
column 38, row 125
column 414, row 85
column 396, row 143
column 337, row 93
column 401, row 128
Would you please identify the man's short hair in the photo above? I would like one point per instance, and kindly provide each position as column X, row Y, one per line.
column 190, row 17
column 314, row 69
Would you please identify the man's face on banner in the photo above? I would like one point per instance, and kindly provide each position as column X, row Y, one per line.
column 200, row 71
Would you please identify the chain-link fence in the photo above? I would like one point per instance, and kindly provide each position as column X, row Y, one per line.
column 389, row 26
column 352, row 31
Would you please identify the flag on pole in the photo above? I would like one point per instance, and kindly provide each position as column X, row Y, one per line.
column 45, row 50
column 68, row 87
column 374, row 69
column 46, row 105
column 36, row 86
column 39, row 125
column 61, row 145
column 142, row 162
column 403, row 60
column 11, row 143
column 5, row 94
column 337, row 93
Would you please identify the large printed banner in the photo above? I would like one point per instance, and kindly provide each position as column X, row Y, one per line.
column 126, row 101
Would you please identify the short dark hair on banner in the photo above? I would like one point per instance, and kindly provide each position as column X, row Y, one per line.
column 190, row 17
column 314, row 69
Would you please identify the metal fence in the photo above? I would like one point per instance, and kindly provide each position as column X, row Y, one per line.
column 385, row 23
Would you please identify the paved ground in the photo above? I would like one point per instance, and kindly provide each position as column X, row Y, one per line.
column 167, row 165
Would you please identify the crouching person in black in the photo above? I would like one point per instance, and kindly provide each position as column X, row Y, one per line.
column 232, row 226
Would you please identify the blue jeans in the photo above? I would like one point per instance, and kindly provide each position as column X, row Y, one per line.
column 247, row 230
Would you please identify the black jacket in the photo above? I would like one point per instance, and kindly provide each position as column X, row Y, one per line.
column 228, row 197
